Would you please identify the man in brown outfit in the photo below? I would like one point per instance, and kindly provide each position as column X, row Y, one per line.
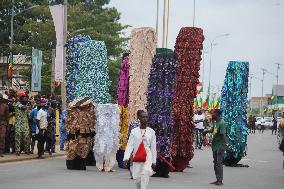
column 4, row 116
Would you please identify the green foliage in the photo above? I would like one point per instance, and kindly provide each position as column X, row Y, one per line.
column 114, row 67
column 34, row 28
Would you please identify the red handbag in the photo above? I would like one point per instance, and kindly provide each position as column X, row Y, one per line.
column 140, row 155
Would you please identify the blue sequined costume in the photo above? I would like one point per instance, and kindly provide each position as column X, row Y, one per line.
column 234, row 110
column 63, row 132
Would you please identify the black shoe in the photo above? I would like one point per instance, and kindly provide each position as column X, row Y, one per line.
column 40, row 157
column 155, row 175
column 214, row 182
column 219, row 183
column 166, row 176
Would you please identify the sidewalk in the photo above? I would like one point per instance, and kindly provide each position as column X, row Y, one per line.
column 23, row 157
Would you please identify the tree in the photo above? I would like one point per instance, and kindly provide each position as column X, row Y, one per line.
column 34, row 28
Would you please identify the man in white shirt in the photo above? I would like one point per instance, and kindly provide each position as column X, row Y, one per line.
column 199, row 128
column 41, row 130
column 262, row 126
column 142, row 170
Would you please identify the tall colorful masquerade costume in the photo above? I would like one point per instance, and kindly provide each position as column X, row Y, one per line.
column 142, row 49
column 159, row 104
column 79, row 124
column 63, row 132
column 234, row 110
column 107, row 136
column 188, row 49
column 122, row 100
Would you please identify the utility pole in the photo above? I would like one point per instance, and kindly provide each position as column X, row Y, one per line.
column 262, row 81
column 157, row 20
column 194, row 7
column 52, row 72
column 12, row 27
column 11, row 41
column 63, row 84
column 277, row 79
column 250, row 103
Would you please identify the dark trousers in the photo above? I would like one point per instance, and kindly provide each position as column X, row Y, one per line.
column 2, row 138
column 252, row 129
column 119, row 158
column 274, row 129
column 261, row 130
column 199, row 138
column 162, row 169
column 8, row 139
column 41, row 139
column 218, row 164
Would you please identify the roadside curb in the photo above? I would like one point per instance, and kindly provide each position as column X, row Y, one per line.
column 29, row 158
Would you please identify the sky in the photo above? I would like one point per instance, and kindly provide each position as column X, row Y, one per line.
column 255, row 28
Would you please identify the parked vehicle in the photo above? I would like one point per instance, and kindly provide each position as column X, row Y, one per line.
column 266, row 121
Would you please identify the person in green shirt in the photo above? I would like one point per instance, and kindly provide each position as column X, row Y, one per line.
column 22, row 130
column 219, row 144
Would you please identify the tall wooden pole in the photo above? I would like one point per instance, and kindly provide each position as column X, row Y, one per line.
column 63, row 84
column 164, row 23
column 52, row 72
column 167, row 30
column 157, row 19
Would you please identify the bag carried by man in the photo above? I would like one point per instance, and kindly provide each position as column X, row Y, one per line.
column 140, row 155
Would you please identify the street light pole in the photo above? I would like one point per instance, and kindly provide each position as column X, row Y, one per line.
column 157, row 19
column 262, row 81
column 250, row 103
column 212, row 43
column 13, row 14
column 63, row 84
column 277, row 79
column 194, row 7
column 12, row 27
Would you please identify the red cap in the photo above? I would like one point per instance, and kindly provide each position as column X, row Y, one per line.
column 21, row 93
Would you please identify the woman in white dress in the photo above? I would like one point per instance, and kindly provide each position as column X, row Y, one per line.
column 142, row 170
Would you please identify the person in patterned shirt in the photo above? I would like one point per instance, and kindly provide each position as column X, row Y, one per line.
column 22, row 130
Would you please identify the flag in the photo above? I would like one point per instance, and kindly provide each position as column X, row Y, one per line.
column 196, row 103
column 199, row 88
column 216, row 104
column 57, row 13
column 10, row 65
column 36, row 70
column 205, row 104
column 57, row 84
column 200, row 102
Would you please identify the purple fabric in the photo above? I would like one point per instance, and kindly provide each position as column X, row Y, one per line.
column 159, row 100
column 123, row 84
column 132, row 126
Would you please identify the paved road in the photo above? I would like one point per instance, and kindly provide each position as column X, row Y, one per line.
column 264, row 159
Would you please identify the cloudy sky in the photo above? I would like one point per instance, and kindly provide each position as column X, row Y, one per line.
column 255, row 28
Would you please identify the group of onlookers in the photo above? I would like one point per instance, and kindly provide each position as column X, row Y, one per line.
column 25, row 119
